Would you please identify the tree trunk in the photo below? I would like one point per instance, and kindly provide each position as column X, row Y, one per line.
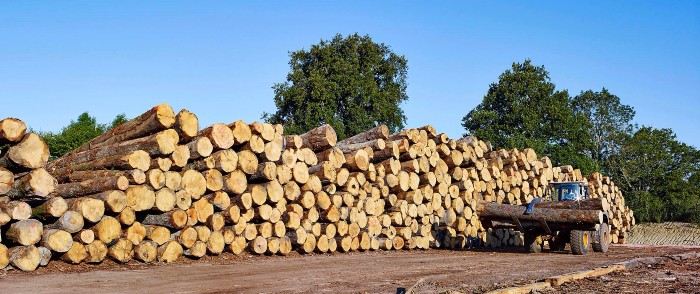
column 378, row 132
column 25, row 258
column 30, row 153
column 320, row 138
column 91, row 186
column 491, row 210
column 186, row 124
column 25, row 232
column 36, row 184
column 11, row 130
column 71, row 222
column 132, row 160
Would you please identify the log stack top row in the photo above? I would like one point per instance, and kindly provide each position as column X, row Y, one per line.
column 158, row 188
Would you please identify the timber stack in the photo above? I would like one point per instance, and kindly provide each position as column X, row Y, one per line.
column 158, row 188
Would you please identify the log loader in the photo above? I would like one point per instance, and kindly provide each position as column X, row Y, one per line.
column 567, row 214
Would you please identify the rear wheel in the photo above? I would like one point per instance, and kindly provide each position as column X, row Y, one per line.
column 580, row 241
column 531, row 243
column 602, row 239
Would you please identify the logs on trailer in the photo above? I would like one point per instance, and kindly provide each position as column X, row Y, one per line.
column 157, row 188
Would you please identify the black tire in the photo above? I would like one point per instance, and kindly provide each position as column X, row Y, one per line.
column 531, row 244
column 580, row 241
column 559, row 242
column 602, row 239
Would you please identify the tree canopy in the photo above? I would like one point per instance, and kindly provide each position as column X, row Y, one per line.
column 78, row 132
column 524, row 109
column 351, row 83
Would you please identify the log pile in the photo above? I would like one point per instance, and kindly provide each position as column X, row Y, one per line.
column 158, row 188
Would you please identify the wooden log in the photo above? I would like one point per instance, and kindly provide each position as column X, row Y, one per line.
column 169, row 252
column 247, row 162
column 7, row 180
column 320, row 138
column 162, row 163
column 272, row 150
column 85, row 237
column 4, row 256
column 122, row 251
column 127, row 216
column 378, row 132
column 180, row 156
column 25, row 232
column 36, row 184
column 156, row 119
column 256, row 144
column 200, row 147
column 162, row 143
column 186, row 124
column 586, row 204
column 175, row 219
column 266, row 171
column 30, row 153
column 197, row 250
column 93, row 186
column 220, row 136
column 135, row 233
column 107, row 230
column 17, row 210
column 71, row 222
column 95, row 252
column 146, row 251
column 133, row 160
column 24, row 258
column 52, row 208
column 357, row 160
column 333, row 155
column 45, row 254
column 491, row 210
column 135, row 176
column 241, row 132
column 194, row 183
column 57, row 240
column 11, row 130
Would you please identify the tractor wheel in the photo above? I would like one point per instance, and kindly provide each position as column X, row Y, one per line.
column 580, row 241
column 602, row 239
column 531, row 244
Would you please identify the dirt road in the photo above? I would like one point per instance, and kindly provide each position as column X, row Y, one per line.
column 374, row 272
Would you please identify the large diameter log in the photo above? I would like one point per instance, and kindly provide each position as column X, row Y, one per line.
column 107, row 230
column 30, row 153
column 320, row 138
column 586, row 204
column 133, row 160
column 186, row 124
column 4, row 256
column 71, row 222
column 11, row 130
column 25, row 232
column 490, row 210
column 200, row 147
column 91, row 209
column 162, row 143
column 7, row 180
column 220, row 136
column 114, row 200
column 25, row 258
column 378, row 132
column 54, row 207
column 36, row 184
column 140, row 198
column 17, row 210
column 175, row 219
column 156, row 119
column 91, row 186
column 57, row 240
column 135, row 176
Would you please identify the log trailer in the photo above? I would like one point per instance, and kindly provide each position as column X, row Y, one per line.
column 566, row 214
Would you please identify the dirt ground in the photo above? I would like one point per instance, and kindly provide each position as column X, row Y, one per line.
column 373, row 272
column 667, row 276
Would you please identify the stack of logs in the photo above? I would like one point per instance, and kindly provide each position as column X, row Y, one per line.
column 157, row 188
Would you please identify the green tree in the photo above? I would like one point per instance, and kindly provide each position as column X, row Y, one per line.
column 524, row 109
column 77, row 133
column 351, row 83
column 609, row 123
column 658, row 175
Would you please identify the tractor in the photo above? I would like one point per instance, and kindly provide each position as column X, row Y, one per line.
column 566, row 214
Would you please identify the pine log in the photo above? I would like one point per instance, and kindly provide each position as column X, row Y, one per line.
column 76, row 254
column 11, row 130
column 57, row 240
column 333, row 155
column 107, row 230
column 378, row 132
column 96, row 252
column 173, row 180
column 180, row 156
column 71, row 222
column 154, row 120
column 163, row 164
column 320, row 138
column 586, row 204
column 165, row 200
column 133, row 160
column 194, row 183
column 25, row 258
column 357, row 160
column 36, row 184
column 25, row 232
column 52, row 208
column 247, row 162
column 140, row 198
column 267, row 171
column 30, row 153
column 122, row 251
column 220, row 136
column 214, row 180
column 90, row 208
column 45, row 254
column 85, row 237
column 200, row 147
column 135, row 176
column 127, row 216
column 146, row 251
column 241, row 132
column 162, row 143
column 293, row 142
column 91, row 186
column 17, row 210
column 186, row 124
column 491, row 210
column 7, row 180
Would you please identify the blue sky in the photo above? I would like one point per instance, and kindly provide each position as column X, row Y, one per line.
column 220, row 59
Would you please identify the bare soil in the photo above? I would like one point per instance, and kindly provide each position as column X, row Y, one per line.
column 666, row 234
column 430, row 271
column 667, row 276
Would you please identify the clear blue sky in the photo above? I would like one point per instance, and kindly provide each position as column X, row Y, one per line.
column 220, row 59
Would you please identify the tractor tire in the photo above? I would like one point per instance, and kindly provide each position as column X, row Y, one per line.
column 531, row 244
column 580, row 241
column 602, row 239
